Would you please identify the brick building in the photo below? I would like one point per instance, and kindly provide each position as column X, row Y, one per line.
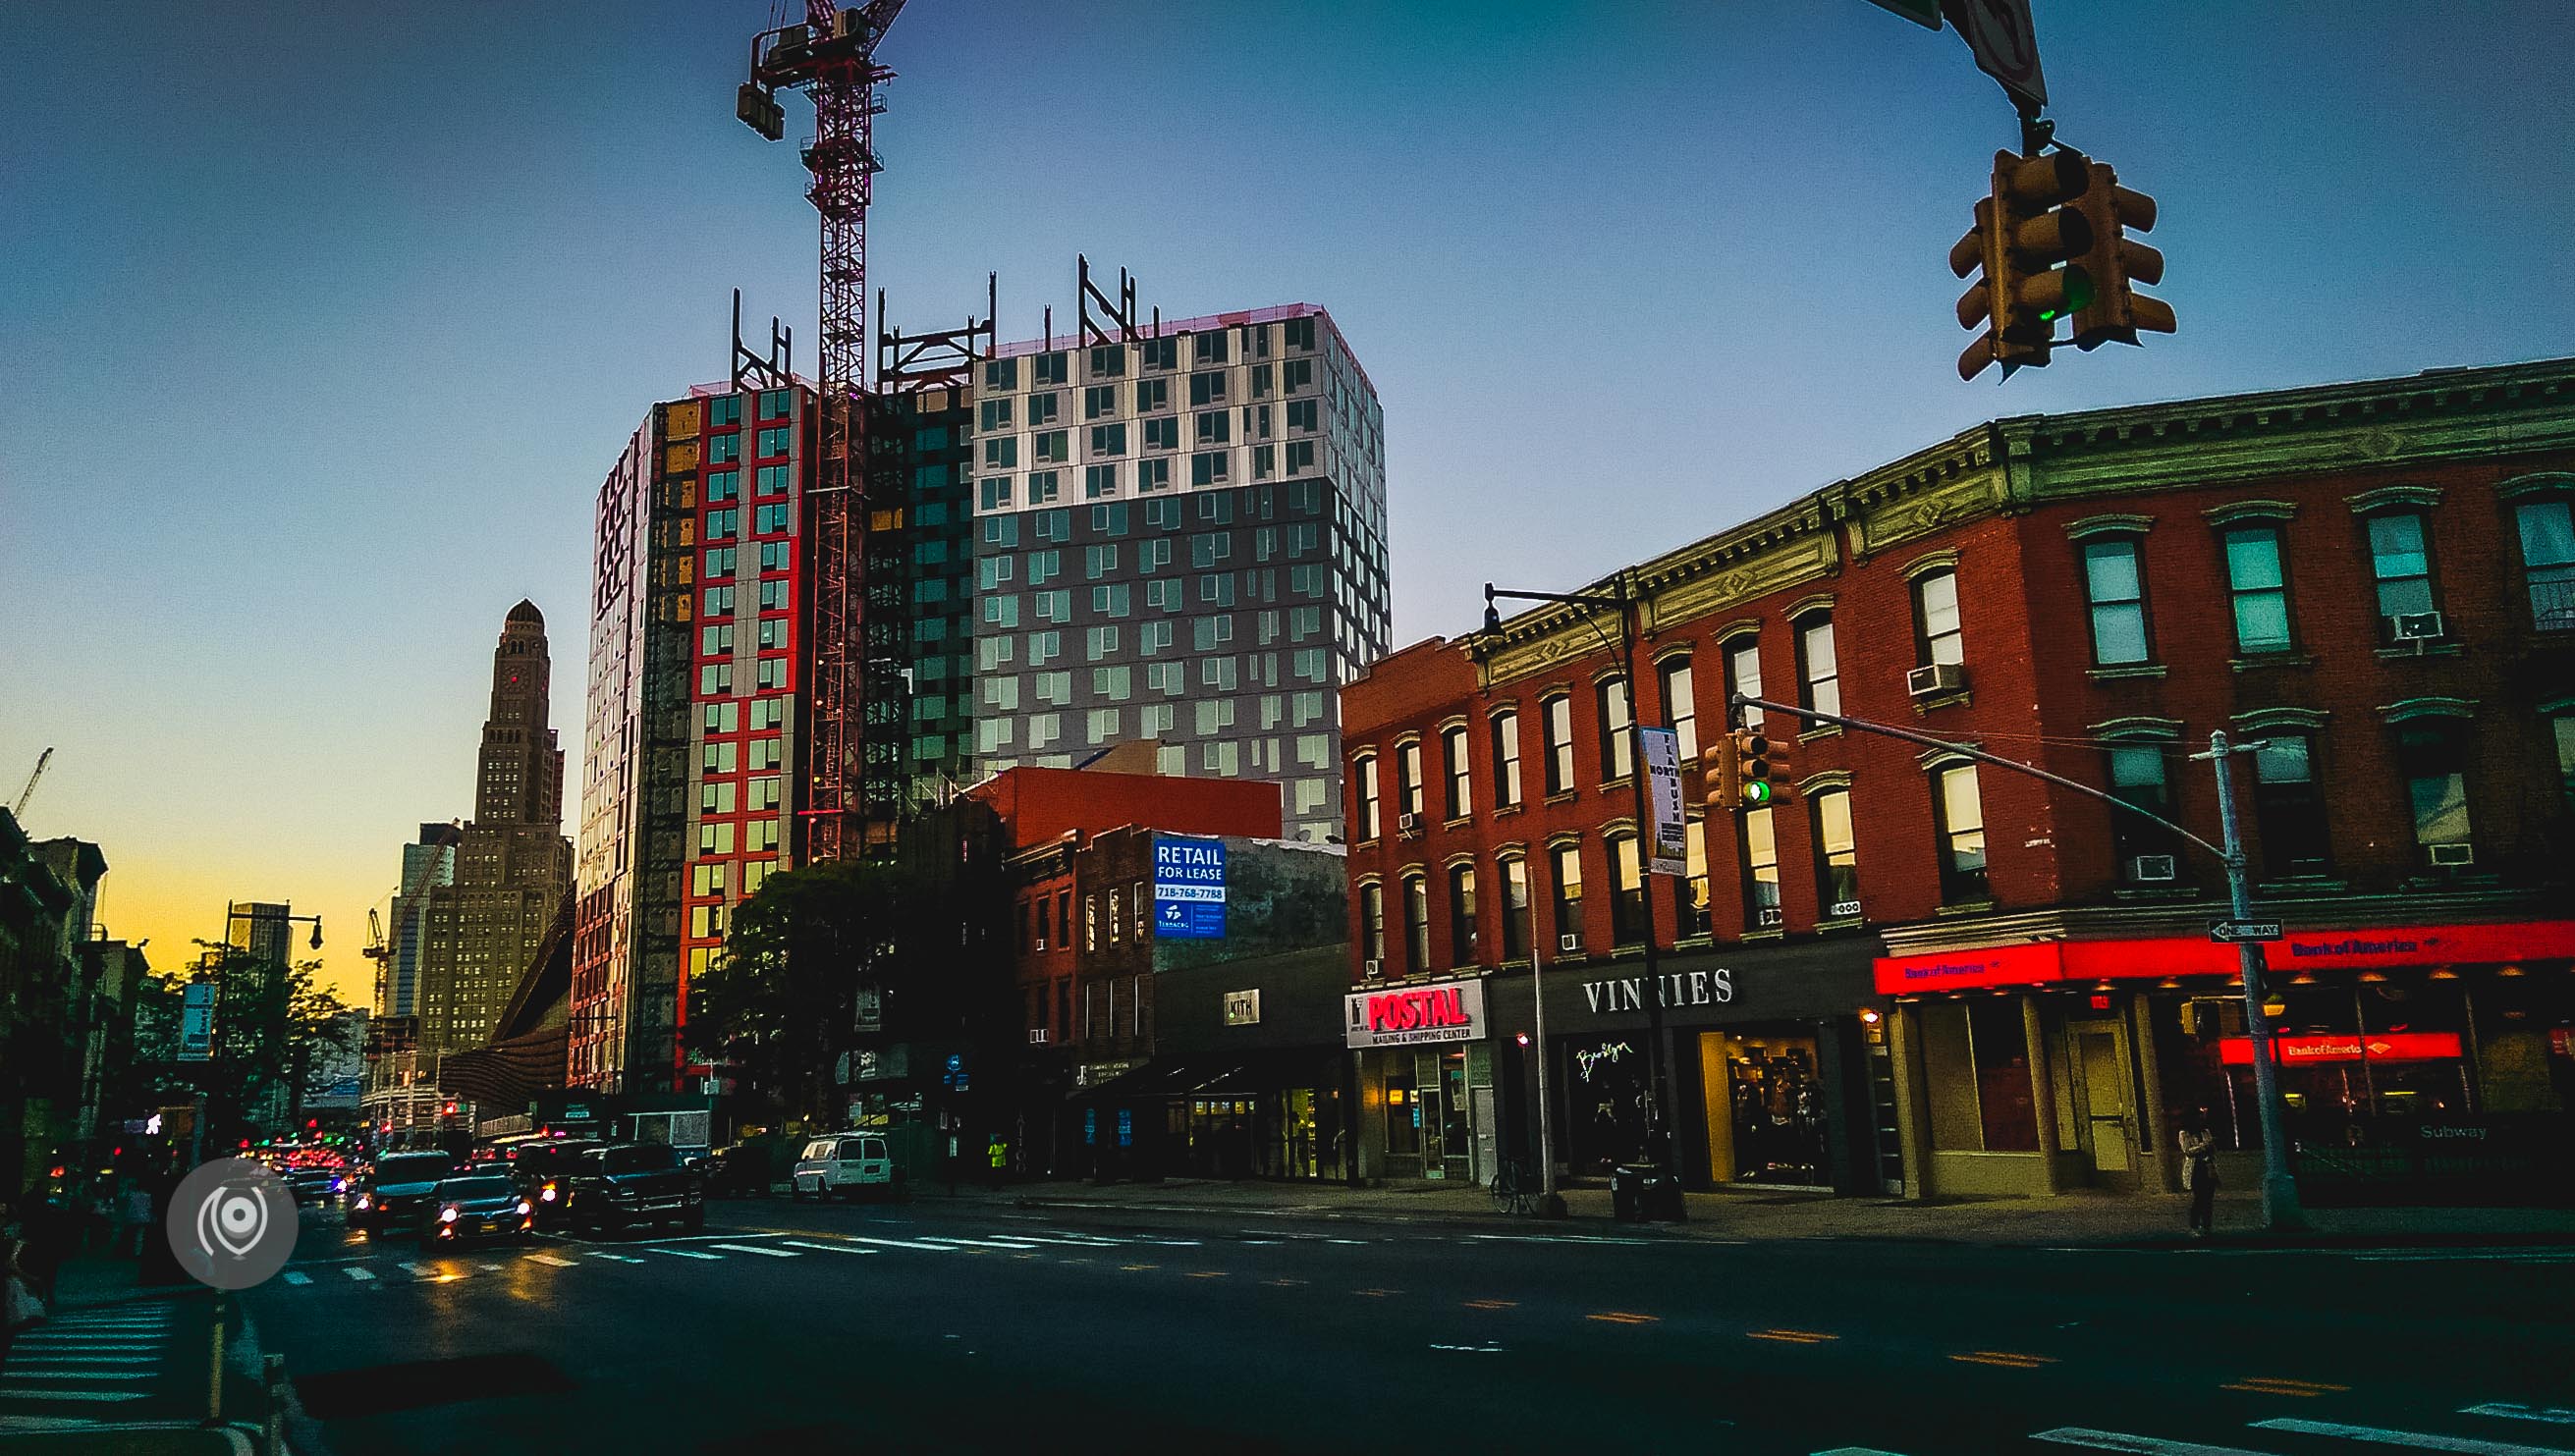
column 1914, row 972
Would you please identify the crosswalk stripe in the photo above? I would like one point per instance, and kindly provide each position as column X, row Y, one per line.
column 50, row 1374
column 2137, row 1445
column 294, row 1277
column 827, row 1248
column 984, row 1243
column 555, row 1262
column 897, row 1243
column 752, row 1249
column 2555, row 1415
column 33, row 1344
column 79, row 1360
column 421, row 1269
column 19, row 1393
column 1855, row 1451
column 361, row 1276
column 2417, row 1440
column 685, row 1254
column 616, row 1258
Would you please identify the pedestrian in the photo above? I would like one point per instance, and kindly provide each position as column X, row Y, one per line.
column 133, row 1217
column 43, row 1228
column 2200, row 1171
column 998, row 1151
column 20, row 1309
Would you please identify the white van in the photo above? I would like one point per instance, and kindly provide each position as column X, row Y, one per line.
column 848, row 1163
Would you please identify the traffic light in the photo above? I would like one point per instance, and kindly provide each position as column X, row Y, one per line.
column 1724, row 776
column 2115, row 262
column 2026, row 245
column 1766, row 770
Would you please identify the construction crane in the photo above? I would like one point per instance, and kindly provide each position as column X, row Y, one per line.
column 19, row 810
column 379, row 949
column 831, row 57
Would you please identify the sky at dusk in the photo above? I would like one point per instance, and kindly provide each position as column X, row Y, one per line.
column 321, row 324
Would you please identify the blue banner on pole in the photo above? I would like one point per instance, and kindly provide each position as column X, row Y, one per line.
column 1188, row 888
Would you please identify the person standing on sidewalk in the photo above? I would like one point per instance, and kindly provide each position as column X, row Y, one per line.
column 133, row 1217
column 2199, row 1172
column 998, row 1153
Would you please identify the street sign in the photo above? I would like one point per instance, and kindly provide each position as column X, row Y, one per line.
column 2006, row 48
column 1920, row 12
column 1663, row 800
column 197, row 1021
column 2236, row 932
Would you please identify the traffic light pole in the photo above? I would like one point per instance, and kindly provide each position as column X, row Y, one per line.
column 2280, row 1209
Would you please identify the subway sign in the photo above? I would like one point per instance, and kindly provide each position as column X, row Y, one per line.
column 1450, row 1012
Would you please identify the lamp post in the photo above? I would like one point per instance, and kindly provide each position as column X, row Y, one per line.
column 236, row 912
column 1621, row 598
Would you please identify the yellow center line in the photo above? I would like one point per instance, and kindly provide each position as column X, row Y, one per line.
column 1621, row 1316
column 1285, row 1283
column 1376, row 1293
column 2009, row 1358
column 2281, row 1385
column 1794, row 1337
column 1134, row 1268
column 1208, row 1274
column 1493, row 1304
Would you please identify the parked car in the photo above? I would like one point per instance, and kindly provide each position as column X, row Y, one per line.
column 625, row 1184
column 483, row 1206
column 744, row 1170
column 847, row 1164
column 313, row 1184
column 396, row 1191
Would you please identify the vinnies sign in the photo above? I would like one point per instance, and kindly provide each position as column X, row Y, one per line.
column 1454, row 1012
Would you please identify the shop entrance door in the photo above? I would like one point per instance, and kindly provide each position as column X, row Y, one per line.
column 2102, row 1110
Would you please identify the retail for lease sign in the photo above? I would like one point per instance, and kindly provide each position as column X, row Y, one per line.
column 1188, row 888
column 1451, row 1012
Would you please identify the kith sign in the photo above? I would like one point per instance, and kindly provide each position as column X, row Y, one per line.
column 1449, row 1012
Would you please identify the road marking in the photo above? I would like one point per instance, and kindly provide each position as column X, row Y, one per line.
column 88, row 1345
column 1079, row 1243
column 1791, row 1337
column 1855, row 1451
column 798, row 1243
column 1135, row 1269
column 898, row 1243
column 2010, row 1359
column 1376, row 1293
column 1493, row 1304
column 2278, row 1385
column 1487, row 1348
column 616, row 1258
column 1285, row 1283
column 25, row 1374
column 753, row 1249
column 1621, row 1316
column 293, row 1277
column 81, row 1359
column 555, row 1261
column 2138, row 1445
column 20, row 1393
column 2418, row 1440
column 685, row 1254
column 986, row 1243
column 422, row 1271
column 491, row 1268
column 2555, row 1415
column 1208, row 1274
column 1576, row 1238
column 357, row 1273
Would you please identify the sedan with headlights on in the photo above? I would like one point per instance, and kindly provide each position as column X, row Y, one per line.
column 465, row 1209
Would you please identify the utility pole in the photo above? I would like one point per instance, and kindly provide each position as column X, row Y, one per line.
column 1551, row 1204
column 2280, row 1210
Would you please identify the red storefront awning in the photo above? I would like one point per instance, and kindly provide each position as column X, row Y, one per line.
column 2040, row 962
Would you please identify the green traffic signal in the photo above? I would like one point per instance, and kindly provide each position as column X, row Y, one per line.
column 1757, row 792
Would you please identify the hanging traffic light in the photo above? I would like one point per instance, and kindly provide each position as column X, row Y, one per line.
column 1724, row 776
column 2025, row 243
column 2115, row 262
column 1774, row 766
column 1758, row 755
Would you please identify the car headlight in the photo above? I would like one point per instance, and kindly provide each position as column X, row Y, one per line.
column 523, row 1208
column 447, row 1216
column 365, row 1203
column 548, row 1193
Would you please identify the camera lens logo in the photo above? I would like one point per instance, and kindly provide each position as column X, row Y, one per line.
column 232, row 1223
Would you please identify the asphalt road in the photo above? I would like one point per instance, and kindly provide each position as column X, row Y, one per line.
column 975, row 1327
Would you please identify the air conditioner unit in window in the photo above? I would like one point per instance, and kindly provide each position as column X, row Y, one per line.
column 1937, row 678
column 1846, row 910
column 1569, row 944
column 2151, row 869
column 2450, row 856
column 1768, row 918
column 1372, row 970
column 1037, row 1037
column 2415, row 627
column 1408, row 825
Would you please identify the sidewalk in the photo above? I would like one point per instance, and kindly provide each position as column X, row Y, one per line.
column 2077, row 1219
column 121, row 1366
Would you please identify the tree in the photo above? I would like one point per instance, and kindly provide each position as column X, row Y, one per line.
column 274, row 1032
column 781, row 1003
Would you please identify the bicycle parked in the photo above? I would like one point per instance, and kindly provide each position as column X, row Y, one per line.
column 1515, row 1189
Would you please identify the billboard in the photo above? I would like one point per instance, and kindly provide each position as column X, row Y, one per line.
column 197, row 1021
column 1188, row 888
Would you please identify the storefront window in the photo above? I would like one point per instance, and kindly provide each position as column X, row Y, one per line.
column 1402, row 1111
column 1605, row 1094
column 1773, row 1128
column 1975, row 1059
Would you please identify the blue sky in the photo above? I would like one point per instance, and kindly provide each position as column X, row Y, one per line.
column 323, row 323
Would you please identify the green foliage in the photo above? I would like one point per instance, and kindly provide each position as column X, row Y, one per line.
column 275, row 1029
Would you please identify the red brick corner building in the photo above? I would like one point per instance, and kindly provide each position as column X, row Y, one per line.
column 1916, row 974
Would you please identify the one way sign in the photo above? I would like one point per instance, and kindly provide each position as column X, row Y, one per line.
column 2235, row 933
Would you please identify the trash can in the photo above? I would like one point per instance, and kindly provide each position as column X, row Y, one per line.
column 1642, row 1192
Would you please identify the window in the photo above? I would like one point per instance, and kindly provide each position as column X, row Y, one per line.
column 1208, row 348
column 2548, row 562
column 1617, row 742
column 1627, row 898
column 2260, row 588
column 1053, row 368
column 1153, row 396
column 1416, row 923
column 1210, row 469
column 727, row 448
column 770, row 480
column 1054, row 447
column 1836, row 856
column 1515, row 908
column 1107, row 361
column 1693, row 908
column 1300, row 333
column 725, row 410
column 773, row 441
column 1300, row 457
column 1742, row 672
column 1958, row 816
column 1461, row 914
column 1207, row 387
column 1099, row 401
column 2402, row 566
column 2287, row 807
column 1460, row 798
column 1557, row 714
column 2137, row 779
column 1507, row 759
column 1760, row 869
column 1564, row 862
column 1108, row 440
column 767, row 519
column 1820, row 674
column 1372, row 923
column 996, row 492
column 1001, row 452
column 1045, row 409
column 773, row 404
column 2114, row 583
column 718, row 602
column 1680, row 704
column 722, row 486
column 2432, row 755
column 1937, row 638
column 1363, row 794
column 1215, row 427
column 721, row 525
column 1407, row 779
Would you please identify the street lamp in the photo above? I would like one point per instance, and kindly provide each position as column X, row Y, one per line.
column 1622, row 597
